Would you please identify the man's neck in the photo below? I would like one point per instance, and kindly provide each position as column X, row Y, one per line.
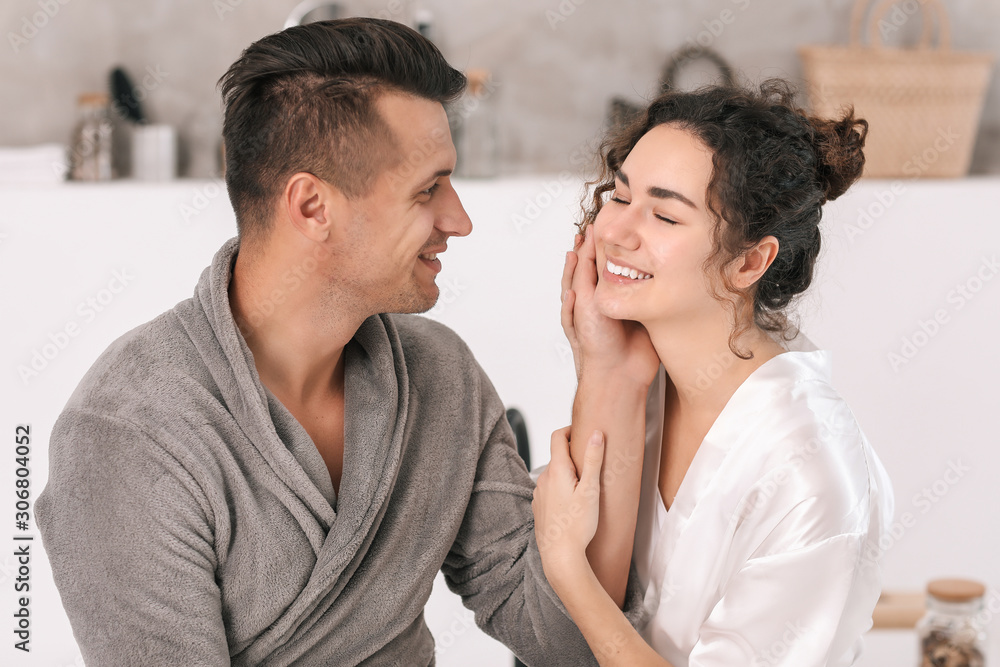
column 296, row 332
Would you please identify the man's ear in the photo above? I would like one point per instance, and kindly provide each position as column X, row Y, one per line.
column 313, row 206
column 751, row 265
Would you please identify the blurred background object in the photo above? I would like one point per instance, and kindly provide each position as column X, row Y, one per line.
column 951, row 633
column 314, row 10
column 560, row 61
column 473, row 124
column 621, row 111
column 91, row 145
column 47, row 163
column 922, row 104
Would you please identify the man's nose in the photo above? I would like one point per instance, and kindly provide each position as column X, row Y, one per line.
column 452, row 218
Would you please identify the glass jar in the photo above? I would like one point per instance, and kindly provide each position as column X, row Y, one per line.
column 91, row 149
column 949, row 633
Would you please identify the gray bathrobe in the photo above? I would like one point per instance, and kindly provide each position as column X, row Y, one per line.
column 190, row 520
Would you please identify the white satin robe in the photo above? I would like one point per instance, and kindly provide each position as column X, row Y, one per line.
column 769, row 552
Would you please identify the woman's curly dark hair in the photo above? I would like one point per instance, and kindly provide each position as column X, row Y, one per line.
column 774, row 167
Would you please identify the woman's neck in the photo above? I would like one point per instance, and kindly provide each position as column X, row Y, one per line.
column 702, row 368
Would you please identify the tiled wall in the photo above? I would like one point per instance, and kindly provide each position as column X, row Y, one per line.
column 556, row 63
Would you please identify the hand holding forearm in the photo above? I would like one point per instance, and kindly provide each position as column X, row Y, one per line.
column 566, row 512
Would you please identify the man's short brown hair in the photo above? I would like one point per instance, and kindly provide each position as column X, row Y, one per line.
column 303, row 99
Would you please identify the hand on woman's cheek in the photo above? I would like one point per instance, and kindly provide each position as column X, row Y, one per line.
column 601, row 344
column 566, row 507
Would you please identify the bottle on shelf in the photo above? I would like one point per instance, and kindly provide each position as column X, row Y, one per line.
column 91, row 147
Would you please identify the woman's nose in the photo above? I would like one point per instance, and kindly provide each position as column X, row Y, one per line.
column 617, row 224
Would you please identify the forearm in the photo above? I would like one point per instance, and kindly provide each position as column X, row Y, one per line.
column 616, row 406
column 609, row 634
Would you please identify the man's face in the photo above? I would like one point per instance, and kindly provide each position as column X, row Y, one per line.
column 399, row 229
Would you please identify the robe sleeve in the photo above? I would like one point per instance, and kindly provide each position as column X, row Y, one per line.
column 495, row 566
column 129, row 537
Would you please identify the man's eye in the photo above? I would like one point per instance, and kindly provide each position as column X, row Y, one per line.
column 431, row 190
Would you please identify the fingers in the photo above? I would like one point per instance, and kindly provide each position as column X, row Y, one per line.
column 568, row 269
column 566, row 315
column 585, row 277
column 593, row 458
column 561, row 462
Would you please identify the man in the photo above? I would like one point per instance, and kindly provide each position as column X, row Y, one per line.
column 273, row 471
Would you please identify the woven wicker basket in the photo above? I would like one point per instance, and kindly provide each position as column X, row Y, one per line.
column 922, row 105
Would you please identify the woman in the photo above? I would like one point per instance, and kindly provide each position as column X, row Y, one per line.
column 760, row 503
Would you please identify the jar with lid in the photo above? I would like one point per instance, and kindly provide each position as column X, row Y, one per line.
column 91, row 149
column 950, row 634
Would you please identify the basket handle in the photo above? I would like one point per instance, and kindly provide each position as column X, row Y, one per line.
column 689, row 54
column 881, row 8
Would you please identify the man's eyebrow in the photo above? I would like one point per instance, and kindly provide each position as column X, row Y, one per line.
column 658, row 192
column 438, row 174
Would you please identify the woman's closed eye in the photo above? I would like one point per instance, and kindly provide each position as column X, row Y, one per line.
column 619, row 200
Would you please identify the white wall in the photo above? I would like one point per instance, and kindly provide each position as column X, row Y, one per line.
column 878, row 279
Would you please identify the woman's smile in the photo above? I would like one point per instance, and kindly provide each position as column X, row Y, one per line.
column 625, row 272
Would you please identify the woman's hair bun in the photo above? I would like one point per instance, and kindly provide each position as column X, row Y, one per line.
column 840, row 158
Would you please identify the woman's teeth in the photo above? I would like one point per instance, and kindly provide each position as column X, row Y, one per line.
column 627, row 273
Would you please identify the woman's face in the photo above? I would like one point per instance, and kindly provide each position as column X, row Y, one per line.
column 657, row 225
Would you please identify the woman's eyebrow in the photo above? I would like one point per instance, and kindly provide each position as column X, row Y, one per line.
column 658, row 192
column 664, row 193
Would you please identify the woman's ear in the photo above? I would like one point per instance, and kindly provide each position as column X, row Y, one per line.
column 751, row 265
